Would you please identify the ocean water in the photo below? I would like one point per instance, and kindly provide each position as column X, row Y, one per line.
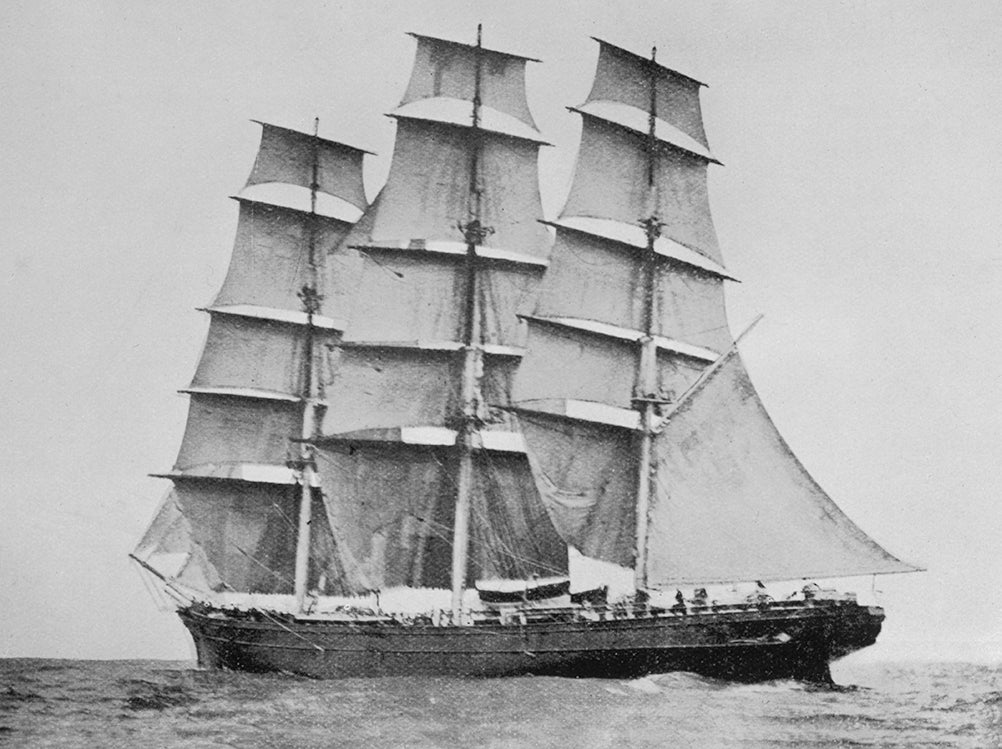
column 51, row 703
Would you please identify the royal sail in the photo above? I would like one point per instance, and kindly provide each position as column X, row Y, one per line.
column 408, row 413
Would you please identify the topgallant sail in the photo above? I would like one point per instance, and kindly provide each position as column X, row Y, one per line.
column 412, row 417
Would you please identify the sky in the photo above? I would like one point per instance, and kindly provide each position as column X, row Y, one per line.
column 859, row 204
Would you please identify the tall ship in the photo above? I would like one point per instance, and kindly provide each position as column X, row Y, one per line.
column 442, row 433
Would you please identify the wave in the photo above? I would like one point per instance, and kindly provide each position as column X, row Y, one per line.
column 149, row 695
column 44, row 704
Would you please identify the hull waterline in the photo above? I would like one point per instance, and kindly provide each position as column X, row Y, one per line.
column 752, row 643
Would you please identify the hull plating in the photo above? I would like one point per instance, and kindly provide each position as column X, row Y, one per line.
column 748, row 644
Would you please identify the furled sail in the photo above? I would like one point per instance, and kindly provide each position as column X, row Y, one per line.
column 395, row 393
column 731, row 501
column 236, row 504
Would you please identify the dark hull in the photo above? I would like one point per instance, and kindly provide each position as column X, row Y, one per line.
column 751, row 643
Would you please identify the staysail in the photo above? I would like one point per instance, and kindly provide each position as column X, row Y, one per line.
column 236, row 503
column 732, row 502
column 439, row 268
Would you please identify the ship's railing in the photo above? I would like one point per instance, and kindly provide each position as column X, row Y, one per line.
column 612, row 612
column 517, row 615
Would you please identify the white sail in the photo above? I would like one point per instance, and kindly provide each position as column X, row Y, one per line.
column 218, row 537
column 288, row 157
column 624, row 77
column 263, row 355
column 235, row 506
column 606, row 186
column 396, row 400
column 397, row 363
column 441, row 399
column 591, row 363
column 585, row 473
column 594, row 311
column 385, row 387
column 268, row 266
column 731, row 501
column 410, row 295
column 594, row 278
column 427, row 191
column 445, row 69
column 392, row 510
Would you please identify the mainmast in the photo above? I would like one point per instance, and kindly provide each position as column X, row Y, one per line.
column 441, row 265
column 474, row 233
column 311, row 299
column 647, row 398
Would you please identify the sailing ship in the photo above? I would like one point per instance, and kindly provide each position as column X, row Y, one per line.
column 414, row 421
